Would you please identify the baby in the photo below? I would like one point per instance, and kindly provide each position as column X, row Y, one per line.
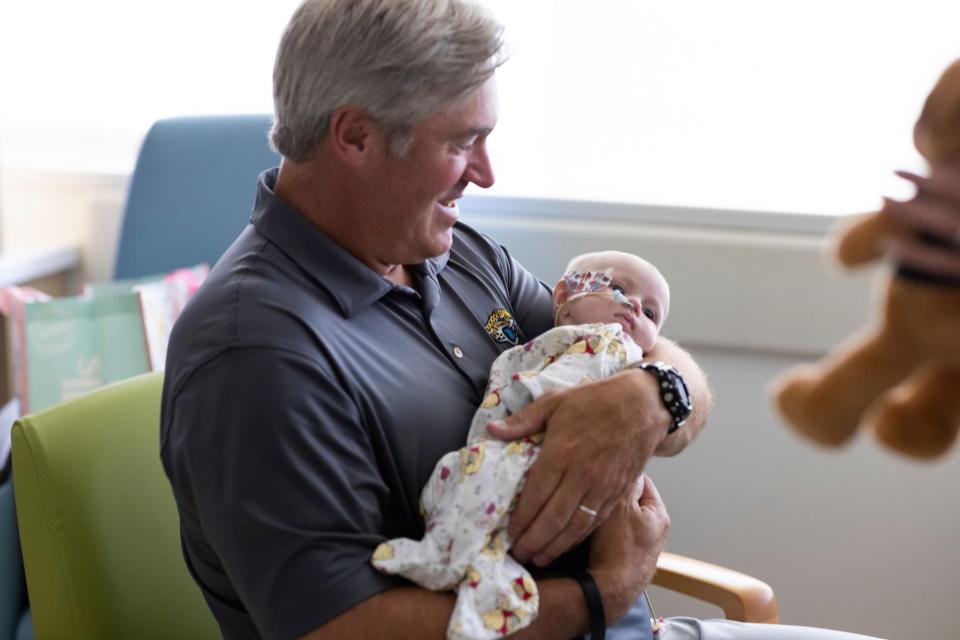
column 609, row 308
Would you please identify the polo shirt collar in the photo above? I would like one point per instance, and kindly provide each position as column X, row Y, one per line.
column 352, row 284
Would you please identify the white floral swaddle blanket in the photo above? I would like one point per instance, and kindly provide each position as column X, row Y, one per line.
column 467, row 501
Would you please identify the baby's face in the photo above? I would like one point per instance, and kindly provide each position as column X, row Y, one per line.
column 638, row 298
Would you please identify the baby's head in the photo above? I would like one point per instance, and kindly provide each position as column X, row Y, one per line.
column 613, row 286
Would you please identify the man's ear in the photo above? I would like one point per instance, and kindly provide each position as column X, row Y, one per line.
column 354, row 135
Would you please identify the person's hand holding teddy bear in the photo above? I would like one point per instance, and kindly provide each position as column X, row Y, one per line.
column 934, row 210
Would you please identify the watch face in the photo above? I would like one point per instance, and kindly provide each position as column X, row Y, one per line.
column 680, row 387
column 674, row 391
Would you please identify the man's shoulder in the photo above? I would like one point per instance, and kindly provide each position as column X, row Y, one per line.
column 253, row 299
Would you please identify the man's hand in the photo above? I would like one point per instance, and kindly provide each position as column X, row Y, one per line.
column 624, row 551
column 598, row 440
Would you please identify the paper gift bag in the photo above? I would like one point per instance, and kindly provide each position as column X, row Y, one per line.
column 161, row 302
column 74, row 345
column 65, row 347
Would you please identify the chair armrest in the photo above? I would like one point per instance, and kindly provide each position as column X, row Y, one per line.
column 741, row 597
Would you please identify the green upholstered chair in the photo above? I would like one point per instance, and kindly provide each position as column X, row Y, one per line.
column 98, row 524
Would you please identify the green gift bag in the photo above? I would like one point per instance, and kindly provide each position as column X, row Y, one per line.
column 65, row 347
column 75, row 345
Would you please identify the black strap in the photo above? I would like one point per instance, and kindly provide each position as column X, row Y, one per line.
column 591, row 593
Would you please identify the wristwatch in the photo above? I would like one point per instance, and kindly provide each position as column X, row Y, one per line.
column 673, row 392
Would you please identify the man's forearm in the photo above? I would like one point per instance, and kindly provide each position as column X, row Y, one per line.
column 413, row 613
column 671, row 353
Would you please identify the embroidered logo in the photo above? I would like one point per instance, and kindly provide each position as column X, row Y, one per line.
column 502, row 328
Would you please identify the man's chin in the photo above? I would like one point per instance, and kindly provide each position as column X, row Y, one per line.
column 434, row 248
column 442, row 243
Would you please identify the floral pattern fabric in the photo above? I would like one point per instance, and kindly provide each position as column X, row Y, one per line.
column 466, row 504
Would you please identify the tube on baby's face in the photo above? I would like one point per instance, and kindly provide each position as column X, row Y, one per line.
column 593, row 282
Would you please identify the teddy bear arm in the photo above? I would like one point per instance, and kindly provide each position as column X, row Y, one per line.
column 861, row 241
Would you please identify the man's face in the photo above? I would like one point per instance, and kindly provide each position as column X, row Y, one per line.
column 416, row 196
column 646, row 294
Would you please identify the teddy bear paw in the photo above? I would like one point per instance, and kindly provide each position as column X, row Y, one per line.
column 802, row 403
column 911, row 430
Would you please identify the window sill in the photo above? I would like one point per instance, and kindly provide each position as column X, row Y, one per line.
column 23, row 267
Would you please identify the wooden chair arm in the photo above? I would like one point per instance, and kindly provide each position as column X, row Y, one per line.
column 741, row 597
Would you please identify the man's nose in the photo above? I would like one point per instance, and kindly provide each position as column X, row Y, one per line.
column 480, row 171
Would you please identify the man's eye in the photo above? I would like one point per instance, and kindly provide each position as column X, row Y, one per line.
column 465, row 145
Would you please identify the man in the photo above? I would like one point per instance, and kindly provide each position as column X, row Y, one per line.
column 342, row 343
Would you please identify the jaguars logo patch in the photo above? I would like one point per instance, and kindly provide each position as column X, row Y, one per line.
column 502, row 328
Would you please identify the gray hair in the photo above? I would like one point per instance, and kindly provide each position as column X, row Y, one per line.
column 400, row 60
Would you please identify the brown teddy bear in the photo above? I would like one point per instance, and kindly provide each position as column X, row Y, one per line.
column 900, row 377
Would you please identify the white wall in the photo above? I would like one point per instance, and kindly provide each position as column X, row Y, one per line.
column 857, row 539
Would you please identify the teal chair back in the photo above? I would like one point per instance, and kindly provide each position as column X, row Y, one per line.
column 191, row 192
column 98, row 524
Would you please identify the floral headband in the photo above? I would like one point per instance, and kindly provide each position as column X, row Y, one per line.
column 593, row 282
column 590, row 283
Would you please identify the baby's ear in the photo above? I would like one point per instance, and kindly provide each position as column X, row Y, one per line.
column 560, row 293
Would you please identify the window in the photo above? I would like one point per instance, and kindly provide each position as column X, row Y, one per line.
column 744, row 104
column 802, row 107
column 82, row 81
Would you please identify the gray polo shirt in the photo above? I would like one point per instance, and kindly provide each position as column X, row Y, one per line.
column 306, row 402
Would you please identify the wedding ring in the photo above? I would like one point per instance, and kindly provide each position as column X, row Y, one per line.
column 587, row 510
